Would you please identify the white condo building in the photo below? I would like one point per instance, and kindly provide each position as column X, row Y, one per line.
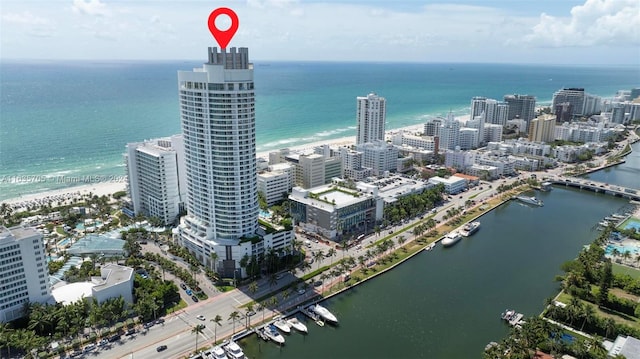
column 156, row 178
column 449, row 133
column 371, row 117
column 217, row 109
column 276, row 183
column 23, row 271
column 379, row 156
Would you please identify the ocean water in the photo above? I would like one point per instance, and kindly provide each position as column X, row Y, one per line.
column 71, row 120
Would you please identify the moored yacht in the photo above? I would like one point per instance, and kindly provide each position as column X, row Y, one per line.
column 282, row 325
column 469, row 229
column 451, row 239
column 217, row 353
column 272, row 333
column 234, row 351
column 297, row 325
column 324, row 313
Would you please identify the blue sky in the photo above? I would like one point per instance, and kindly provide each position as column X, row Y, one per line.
column 494, row 31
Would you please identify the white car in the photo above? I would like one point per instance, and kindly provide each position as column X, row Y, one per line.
column 301, row 292
column 201, row 317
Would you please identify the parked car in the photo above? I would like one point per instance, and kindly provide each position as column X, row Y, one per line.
column 114, row 337
column 301, row 292
column 189, row 292
column 183, row 286
column 201, row 317
column 195, row 299
column 161, row 348
column 130, row 332
column 89, row 348
column 160, row 321
column 103, row 342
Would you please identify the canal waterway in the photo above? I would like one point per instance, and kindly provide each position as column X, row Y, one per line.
column 446, row 303
column 626, row 174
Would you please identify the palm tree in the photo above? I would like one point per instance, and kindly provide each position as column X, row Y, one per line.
column 330, row 253
column 273, row 301
column 272, row 280
column 253, row 287
column 217, row 319
column 589, row 314
column 233, row 317
column 318, row 257
column 249, row 309
column 197, row 329
column 214, row 257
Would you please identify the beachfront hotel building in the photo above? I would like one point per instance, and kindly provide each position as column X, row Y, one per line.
column 371, row 117
column 156, row 178
column 276, row 182
column 449, row 133
column 542, row 129
column 380, row 156
column 217, row 110
column 23, row 271
column 521, row 106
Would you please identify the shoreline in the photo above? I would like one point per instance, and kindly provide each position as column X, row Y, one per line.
column 109, row 187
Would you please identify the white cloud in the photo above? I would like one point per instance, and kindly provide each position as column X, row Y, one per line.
column 91, row 7
column 597, row 22
column 25, row 18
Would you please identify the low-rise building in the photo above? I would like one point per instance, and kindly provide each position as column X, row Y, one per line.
column 333, row 211
column 276, row 182
column 452, row 185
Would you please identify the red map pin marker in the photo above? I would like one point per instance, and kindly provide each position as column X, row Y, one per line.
column 223, row 37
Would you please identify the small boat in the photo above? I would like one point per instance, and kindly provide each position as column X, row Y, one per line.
column 282, row 325
column 430, row 246
column 234, row 351
column 530, row 200
column 451, row 239
column 273, row 334
column 297, row 325
column 324, row 313
column 469, row 229
column 217, row 353
column 320, row 322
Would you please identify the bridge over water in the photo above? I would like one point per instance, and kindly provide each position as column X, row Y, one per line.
column 595, row 186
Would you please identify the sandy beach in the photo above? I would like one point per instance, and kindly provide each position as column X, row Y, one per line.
column 107, row 188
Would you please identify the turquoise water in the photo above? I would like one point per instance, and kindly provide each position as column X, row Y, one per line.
column 80, row 226
column 79, row 115
column 622, row 249
column 264, row 214
column 64, row 242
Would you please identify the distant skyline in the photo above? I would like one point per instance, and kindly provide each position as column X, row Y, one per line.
column 576, row 32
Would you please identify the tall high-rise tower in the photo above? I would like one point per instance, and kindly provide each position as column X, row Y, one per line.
column 217, row 110
column 523, row 106
column 371, row 116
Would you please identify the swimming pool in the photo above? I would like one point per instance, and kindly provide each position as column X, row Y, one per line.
column 634, row 250
column 64, row 242
column 264, row 214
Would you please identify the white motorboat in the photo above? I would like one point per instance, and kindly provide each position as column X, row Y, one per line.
column 451, row 239
column 282, row 325
column 217, row 353
column 272, row 333
column 234, row 351
column 324, row 313
column 470, row 228
column 530, row 200
column 297, row 325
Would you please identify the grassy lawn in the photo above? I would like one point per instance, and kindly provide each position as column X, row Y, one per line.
column 628, row 320
column 60, row 231
column 620, row 269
